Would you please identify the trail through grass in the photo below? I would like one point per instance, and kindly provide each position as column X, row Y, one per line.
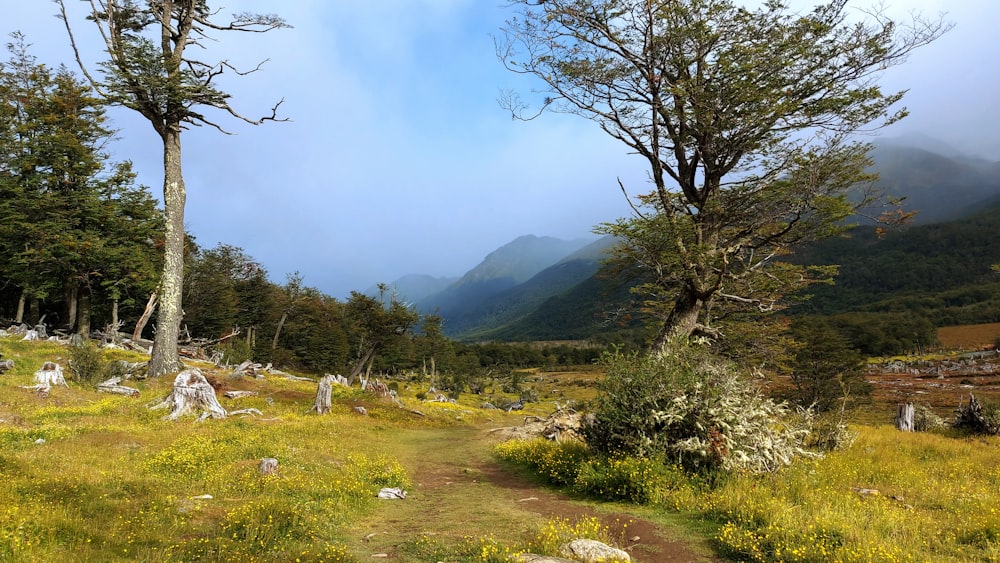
column 460, row 495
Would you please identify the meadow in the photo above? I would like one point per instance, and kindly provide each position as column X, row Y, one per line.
column 88, row 476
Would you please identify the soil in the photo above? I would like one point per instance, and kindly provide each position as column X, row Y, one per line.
column 459, row 491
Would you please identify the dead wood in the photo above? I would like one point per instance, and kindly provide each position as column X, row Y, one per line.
column 192, row 393
column 113, row 385
column 324, row 395
column 6, row 365
column 562, row 424
column 239, row 394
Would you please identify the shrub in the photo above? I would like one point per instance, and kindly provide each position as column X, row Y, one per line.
column 694, row 408
column 86, row 363
column 826, row 370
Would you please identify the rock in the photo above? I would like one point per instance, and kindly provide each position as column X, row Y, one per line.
column 592, row 551
column 534, row 558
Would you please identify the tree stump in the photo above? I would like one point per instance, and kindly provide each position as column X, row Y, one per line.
column 324, row 395
column 268, row 466
column 192, row 393
column 904, row 417
column 6, row 365
column 50, row 374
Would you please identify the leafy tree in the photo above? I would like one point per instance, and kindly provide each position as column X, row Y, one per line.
column 150, row 70
column 374, row 326
column 826, row 370
column 71, row 221
column 746, row 119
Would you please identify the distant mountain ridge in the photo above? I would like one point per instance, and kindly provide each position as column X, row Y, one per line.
column 541, row 288
column 508, row 266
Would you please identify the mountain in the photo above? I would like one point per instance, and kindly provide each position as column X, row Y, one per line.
column 512, row 264
column 480, row 320
column 539, row 288
column 938, row 187
column 414, row 287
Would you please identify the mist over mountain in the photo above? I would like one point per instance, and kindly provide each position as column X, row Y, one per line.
column 542, row 288
column 414, row 287
column 940, row 187
column 514, row 263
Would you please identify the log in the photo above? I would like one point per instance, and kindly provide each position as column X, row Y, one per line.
column 239, row 394
column 324, row 395
column 6, row 365
column 904, row 417
column 118, row 390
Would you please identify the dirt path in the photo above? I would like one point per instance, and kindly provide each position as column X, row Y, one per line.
column 459, row 492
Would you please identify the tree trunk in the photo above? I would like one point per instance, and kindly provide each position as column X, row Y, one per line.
column 83, row 313
column 148, row 312
column 165, row 358
column 114, row 313
column 681, row 323
column 34, row 311
column 19, row 318
column 324, row 395
column 904, row 417
column 72, row 293
column 277, row 331
column 360, row 366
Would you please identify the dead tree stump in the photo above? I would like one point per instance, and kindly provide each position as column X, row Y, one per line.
column 192, row 393
column 904, row 417
column 324, row 395
column 268, row 466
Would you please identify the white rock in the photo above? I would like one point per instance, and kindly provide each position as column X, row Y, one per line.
column 592, row 551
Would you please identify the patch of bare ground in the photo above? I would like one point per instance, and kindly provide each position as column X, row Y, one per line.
column 460, row 491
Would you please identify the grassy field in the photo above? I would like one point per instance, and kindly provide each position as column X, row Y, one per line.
column 86, row 476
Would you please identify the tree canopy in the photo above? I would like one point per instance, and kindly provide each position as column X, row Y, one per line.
column 747, row 120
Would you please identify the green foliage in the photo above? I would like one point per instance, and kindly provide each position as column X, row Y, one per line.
column 746, row 118
column 691, row 407
column 86, row 362
column 826, row 371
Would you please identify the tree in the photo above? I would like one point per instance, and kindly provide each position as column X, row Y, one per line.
column 149, row 70
column 71, row 220
column 745, row 118
column 374, row 326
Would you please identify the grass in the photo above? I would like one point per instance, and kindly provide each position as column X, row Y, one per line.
column 86, row 476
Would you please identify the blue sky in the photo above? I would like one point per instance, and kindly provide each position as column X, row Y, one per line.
column 398, row 158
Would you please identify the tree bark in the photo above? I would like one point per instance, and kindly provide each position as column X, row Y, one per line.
column 83, row 312
column 114, row 313
column 277, row 331
column 72, row 293
column 192, row 392
column 165, row 358
column 148, row 312
column 904, row 417
column 324, row 393
column 681, row 323
column 19, row 318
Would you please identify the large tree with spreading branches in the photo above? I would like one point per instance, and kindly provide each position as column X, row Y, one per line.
column 747, row 120
column 151, row 69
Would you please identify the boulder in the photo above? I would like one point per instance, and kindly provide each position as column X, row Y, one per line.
column 592, row 551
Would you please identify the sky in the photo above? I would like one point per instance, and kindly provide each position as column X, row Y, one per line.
column 397, row 158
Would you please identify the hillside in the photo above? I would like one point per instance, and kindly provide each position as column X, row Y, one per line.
column 537, row 288
column 504, row 268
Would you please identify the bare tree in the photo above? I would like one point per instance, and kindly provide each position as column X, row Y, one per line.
column 150, row 70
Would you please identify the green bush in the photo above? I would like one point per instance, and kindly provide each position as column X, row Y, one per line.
column 694, row 409
column 86, row 362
